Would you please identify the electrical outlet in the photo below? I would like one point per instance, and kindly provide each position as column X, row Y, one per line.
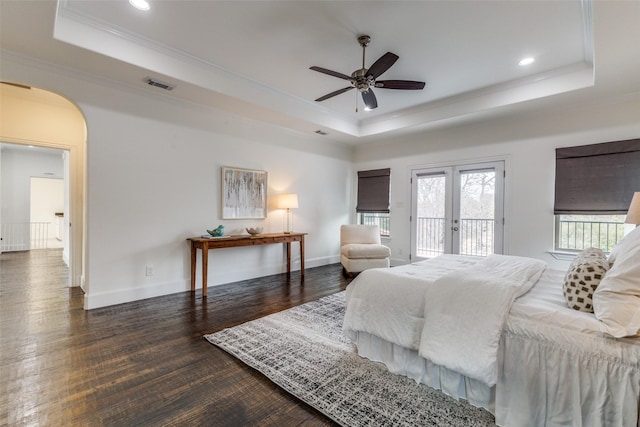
column 149, row 270
column 399, row 251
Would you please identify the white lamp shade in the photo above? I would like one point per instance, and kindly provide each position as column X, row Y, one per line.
column 633, row 215
column 288, row 201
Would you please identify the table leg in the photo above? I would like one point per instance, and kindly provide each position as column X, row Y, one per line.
column 288, row 257
column 205, row 268
column 194, row 250
column 302, row 256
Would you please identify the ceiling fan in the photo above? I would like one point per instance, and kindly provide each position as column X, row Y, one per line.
column 365, row 79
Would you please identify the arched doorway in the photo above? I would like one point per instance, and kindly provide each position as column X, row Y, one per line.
column 33, row 116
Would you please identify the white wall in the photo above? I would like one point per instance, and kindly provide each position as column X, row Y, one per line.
column 527, row 142
column 152, row 184
column 153, row 179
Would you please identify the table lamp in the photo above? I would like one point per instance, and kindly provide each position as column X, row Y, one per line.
column 288, row 202
column 633, row 215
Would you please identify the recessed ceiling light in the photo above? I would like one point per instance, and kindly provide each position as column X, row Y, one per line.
column 140, row 4
column 526, row 61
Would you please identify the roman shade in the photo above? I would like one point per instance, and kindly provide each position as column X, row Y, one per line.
column 373, row 190
column 598, row 178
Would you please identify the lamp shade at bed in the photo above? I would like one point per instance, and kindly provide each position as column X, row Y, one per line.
column 633, row 215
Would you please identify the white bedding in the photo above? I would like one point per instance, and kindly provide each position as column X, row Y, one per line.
column 452, row 309
column 396, row 313
column 465, row 312
column 556, row 367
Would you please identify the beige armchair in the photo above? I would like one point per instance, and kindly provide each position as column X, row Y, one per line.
column 360, row 248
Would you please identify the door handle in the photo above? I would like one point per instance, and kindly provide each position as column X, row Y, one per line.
column 454, row 228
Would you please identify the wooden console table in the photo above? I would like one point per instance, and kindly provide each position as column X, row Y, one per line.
column 205, row 244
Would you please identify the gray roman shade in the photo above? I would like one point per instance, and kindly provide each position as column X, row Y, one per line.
column 373, row 190
column 597, row 178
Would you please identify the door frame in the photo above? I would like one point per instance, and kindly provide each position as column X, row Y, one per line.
column 77, row 177
column 453, row 169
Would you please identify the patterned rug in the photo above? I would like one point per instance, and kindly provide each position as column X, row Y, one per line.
column 304, row 351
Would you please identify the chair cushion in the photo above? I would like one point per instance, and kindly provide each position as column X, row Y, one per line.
column 359, row 233
column 365, row 251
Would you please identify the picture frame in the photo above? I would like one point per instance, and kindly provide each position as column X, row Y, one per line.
column 244, row 193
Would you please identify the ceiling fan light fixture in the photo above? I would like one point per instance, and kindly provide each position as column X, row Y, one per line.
column 364, row 79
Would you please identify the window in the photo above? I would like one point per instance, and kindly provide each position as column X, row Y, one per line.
column 376, row 218
column 373, row 199
column 578, row 232
column 594, row 186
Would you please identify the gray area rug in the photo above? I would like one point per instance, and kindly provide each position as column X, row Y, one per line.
column 304, row 351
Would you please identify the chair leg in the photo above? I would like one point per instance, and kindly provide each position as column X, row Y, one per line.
column 346, row 273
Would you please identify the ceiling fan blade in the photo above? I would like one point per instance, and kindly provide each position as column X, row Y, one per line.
column 369, row 99
column 382, row 64
column 400, row 84
column 331, row 73
column 332, row 94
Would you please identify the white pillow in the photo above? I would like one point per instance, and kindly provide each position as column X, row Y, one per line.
column 616, row 301
column 616, row 249
column 613, row 254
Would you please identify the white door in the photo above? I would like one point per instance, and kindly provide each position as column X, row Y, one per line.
column 457, row 210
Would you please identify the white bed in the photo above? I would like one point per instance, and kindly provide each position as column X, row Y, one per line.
column 555, row 365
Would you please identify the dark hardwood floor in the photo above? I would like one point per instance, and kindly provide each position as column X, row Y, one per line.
column 140, row 363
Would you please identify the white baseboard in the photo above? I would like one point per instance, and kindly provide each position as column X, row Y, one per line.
column 120, row 296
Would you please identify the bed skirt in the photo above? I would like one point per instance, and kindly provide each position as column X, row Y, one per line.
column 407, row 362
column 545, row 380
column 557, row 377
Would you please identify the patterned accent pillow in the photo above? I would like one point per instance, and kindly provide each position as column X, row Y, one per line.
column 583, row 277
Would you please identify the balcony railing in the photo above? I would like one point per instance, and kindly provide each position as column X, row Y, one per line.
column 579, row 235
column 430, row 237
column 476, row 236
column 24, row 236
column 380, row 219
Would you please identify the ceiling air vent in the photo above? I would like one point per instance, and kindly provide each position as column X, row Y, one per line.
column 158, row 83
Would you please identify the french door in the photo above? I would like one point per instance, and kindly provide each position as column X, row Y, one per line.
column 457, row 210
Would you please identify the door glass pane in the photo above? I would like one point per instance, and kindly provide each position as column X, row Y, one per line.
column 477, row 212
column 430, row 204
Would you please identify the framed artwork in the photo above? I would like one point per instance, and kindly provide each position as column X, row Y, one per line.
column 244, row 193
